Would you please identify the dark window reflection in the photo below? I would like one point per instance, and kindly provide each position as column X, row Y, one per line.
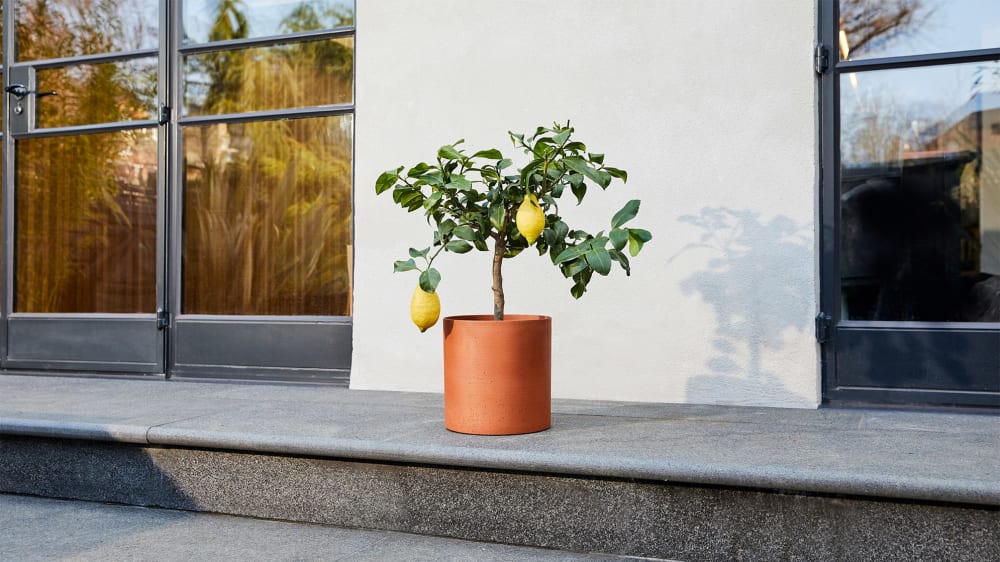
column 284, row 76
column 48, row 29
column 889, row 28
column 85, row 231
column 267, row 215
column 920, row 194
column 220, row 20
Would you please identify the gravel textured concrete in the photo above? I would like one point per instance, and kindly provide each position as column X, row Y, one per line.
column 45, row 529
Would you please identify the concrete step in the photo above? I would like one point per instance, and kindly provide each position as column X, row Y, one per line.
column 660, row 481
column 46, row 529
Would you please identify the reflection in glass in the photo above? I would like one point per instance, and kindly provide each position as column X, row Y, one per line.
column 97, row 93
column 48, row 29
column 85, row 237
column 920, row 194
column 267, row 215
column 240, row 19
column 283, row 76
column 879, row 28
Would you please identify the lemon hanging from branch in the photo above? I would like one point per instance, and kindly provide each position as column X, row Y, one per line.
column 530, row 219
column 425, row 308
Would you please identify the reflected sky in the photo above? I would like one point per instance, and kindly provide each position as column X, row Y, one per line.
column 264, row 17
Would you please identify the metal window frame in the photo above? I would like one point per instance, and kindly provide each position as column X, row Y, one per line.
column 828, row 95
column 171, row 52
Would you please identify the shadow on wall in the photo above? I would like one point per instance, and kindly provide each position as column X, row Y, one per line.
column 759, row 281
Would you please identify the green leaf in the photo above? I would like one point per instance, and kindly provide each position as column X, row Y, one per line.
column 446, row 226
column 571, row 253
column 616, row 173
column 596, row 158
column 491, row 154
column 599, row 259
column 458, row 246
column 387, row 180
column 621, row 259
column 434, row 177
column 575, row 267
column 636, row 238
column 577, row 290
column 627, row 213
column 418, row 170
column 432, row 201
column 449, row 152
column 429, row 280
column 496, row 215
column 504, row 164
column 415, row 253
column 579, row 165
column 460, row 183
column 562, row 137
column 619, row 238
column 465, row 232
column 579, row 191
column 399, row 265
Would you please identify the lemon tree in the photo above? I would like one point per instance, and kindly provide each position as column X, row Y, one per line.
column 480, row 201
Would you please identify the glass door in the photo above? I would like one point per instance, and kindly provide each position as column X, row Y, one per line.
column 178, row 183
column 260, row 257
column 911, row 129
column 82, row 146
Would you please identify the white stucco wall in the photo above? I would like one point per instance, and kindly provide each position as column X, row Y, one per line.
column 708, row 104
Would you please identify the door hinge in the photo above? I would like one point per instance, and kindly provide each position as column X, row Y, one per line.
column 821, row 58
column 164, row 117
column 824, row 327
column 162, row 319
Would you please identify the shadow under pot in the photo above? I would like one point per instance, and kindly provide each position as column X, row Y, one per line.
column 497, row 374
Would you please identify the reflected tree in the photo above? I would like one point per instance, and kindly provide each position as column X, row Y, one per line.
column 268, row 203
column 870, row 24
column 85, row 233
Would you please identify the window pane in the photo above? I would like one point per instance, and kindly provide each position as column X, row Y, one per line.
column 221, row 20
column 267, row 215
column 878, row 28
column 97, row 93
column 48, row 29
column 284, row 76
column 86, row 223
column 920, row 194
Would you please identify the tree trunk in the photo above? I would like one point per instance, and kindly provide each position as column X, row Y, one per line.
column 498, row 251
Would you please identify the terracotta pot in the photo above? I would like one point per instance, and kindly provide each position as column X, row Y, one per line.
column 497, row 374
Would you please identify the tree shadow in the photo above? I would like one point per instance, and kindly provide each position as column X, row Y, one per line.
column 759, row 279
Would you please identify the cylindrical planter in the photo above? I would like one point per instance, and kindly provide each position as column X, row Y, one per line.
column 497, row 374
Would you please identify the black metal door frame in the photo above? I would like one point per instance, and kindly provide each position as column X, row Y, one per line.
column 966, row 353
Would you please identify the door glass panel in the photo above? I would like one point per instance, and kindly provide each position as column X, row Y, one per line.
column 97, row 93
column 86, row 223
column 878, row 28
column 48, row 29
column 221, row 20
column 920, row 194
column 283, row 76
column 267, row 211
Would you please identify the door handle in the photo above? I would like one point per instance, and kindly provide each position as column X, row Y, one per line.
column 19, row 91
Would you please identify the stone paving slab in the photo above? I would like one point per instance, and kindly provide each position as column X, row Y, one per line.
column 932, row 456
column 45, row 529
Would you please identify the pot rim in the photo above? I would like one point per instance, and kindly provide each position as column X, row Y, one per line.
column 506, row 318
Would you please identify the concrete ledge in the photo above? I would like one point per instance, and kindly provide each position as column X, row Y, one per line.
column 622, row 517
column 937, row 457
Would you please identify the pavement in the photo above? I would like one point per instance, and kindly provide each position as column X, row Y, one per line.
column 45, row 529
column 949, row 456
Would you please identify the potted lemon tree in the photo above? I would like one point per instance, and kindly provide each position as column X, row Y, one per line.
column 498, row 366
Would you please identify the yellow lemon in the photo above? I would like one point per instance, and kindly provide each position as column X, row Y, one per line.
column 424, row 308
column 530, row 219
